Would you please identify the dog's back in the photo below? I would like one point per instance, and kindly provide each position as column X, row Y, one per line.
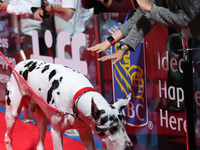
column 56, row 84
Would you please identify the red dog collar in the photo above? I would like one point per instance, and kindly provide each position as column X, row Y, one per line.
column 78, row 95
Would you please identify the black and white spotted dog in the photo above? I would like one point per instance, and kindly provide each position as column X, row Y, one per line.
column 71, row 93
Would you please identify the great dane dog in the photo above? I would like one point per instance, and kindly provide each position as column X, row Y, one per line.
column 80, row 106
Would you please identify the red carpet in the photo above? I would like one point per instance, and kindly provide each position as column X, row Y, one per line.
column 25, row 137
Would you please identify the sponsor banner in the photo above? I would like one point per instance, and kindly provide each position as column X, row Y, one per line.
column 129, row 77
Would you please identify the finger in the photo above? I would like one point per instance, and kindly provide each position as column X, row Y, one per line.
column 38, row 18
column 35, row 17
column 41, row 14
column 94, row 49
column 101, row 59
column 104, row 58
column 91, row 48
column 115, row 62
column 99, row 51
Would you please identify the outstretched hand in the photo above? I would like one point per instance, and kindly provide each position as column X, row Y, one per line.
column 38, row 13
column 101, row 47
column 117, row 56
column 144, row 5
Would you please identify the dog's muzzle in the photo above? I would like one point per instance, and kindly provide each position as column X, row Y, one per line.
column 129, row 148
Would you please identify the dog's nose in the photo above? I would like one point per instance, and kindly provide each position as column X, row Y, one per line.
column 129, row 148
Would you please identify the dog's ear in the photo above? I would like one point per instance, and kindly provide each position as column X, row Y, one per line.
column 96, row 113
column 121, row 103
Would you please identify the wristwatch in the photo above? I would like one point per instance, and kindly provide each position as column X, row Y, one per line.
column 123, row 47
column 111, row 40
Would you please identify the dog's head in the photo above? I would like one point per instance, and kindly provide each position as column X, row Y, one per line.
column 110, row 125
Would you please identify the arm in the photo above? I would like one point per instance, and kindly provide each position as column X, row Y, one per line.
column 135, row 29
column 167, row 17
column 69, row 12
column 67, row 8
column 139, row 30
column 120, row 33
column 154, row 14
column 101, row 47
column 106, row 44
column 19, row 7
column 127, row 26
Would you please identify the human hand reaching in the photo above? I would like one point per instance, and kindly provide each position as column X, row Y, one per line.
column 38, row 13
column 101, row 47
column 117, row 56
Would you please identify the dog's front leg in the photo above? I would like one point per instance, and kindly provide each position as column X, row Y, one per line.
column 8, row 135
column 86, row 136
column 41, row 121
column 57, row 137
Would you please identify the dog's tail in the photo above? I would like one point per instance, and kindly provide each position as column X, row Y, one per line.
column 23, row 56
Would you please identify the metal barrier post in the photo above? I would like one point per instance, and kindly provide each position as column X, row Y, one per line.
column 100, row 74
column 188, row 92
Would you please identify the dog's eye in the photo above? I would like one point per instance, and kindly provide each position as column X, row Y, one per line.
column 97, row 129
column 113, row 129
column 101, row 132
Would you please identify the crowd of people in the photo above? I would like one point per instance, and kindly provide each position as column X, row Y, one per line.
column 70, row 16
column 58, row 16
column 53, row 15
